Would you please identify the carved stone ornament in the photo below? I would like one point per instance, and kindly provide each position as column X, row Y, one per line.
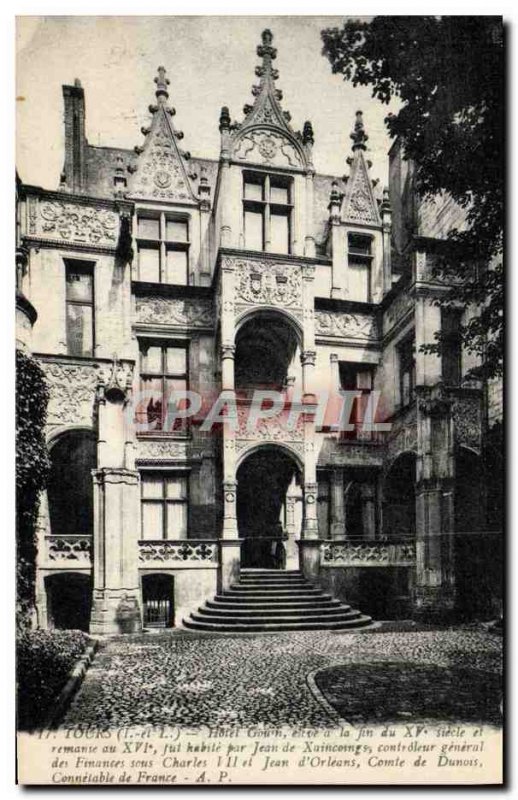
column 174, row 311
column 269, row 283
column 267, row 147
column 345, row 326
column 72, row 392
column 164, row 450
column 171, row 551
column 69, row 548
column 367, row 553
column 72, row 222
column 274, row 430
column 161, row 173
column 359, row 203
column 467, row 418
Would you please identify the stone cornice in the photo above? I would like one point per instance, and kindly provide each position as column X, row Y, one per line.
column 81, row 199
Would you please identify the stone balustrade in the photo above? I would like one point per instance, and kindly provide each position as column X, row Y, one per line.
column 178, row 553
column 346, row 553
column 74, row 550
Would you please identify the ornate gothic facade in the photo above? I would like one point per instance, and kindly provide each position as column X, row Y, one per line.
column 149, row 272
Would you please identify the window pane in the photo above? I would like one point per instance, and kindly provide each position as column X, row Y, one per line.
column 359, row 244
column 359, row 282
column 149, row 264
column 148, row 228
column 176, row 230
column 151, row 359
column 176, row 268
column 176, row 360
column 149, row 406
column 253, row 190
column 177, row 520
column 152, row 486
column 79, row 330
column 176, row 488
column 279, row 233
column 79, row 284
column 253, row 230
column 152, row 521
column 176, row 402
column 279, row 194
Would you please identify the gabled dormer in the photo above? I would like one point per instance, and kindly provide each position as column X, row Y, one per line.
column 161, row 171
column 265, row 163
column 359, row 229
column 171, row 216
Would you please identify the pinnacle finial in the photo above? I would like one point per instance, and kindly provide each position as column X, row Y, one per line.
column 307, row 133
column 268, row 54
column 358, row 135
column 162, row 83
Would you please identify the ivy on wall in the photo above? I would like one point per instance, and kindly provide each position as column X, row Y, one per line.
column 32, row 470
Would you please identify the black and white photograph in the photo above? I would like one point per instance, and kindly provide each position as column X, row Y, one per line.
column 260, row 436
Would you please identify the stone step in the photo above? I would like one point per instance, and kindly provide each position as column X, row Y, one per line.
column 361, row 621
column 266, row 620
column 283, row 611
column 268, row 591
column 224, row 601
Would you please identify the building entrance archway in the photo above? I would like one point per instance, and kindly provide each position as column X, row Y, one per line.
column 69, row 600
column 268, row 484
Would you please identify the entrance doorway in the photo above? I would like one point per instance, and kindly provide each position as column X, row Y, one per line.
column 69, row 601
column 263, row 481
column 158, row 601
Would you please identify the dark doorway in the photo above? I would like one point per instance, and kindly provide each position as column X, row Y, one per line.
column 265, row 348
column 399, row 498
column 262, row 482
column 70, row 488
column 477, row 553
column 69, row 601
column 158, row 601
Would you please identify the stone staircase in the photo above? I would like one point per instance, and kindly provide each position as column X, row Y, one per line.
column 273, row 600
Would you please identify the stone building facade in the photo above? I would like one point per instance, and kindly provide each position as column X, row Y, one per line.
column 149, row 272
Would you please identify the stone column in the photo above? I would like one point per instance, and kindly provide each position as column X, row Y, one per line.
column 309, row 239
column 435, row 579
column 336, row 496
column 309, row 545
column 225, row 199
column 386, row 221
column 229, row 546
column 368, row 493
column 116, row 534
column 116, row 508
column 337, row 245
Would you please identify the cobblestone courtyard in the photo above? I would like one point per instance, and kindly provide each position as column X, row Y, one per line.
column 191, row 679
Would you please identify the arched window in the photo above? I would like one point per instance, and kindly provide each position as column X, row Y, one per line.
column 70, row 489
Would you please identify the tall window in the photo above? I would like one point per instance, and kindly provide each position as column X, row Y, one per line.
column 356, row 378
column 451, row 346
column 267, row 208
column 406, row 352
column 359, row 254
column 80, row 308
column 164, row 500
column 163, row 248
column 163, row 370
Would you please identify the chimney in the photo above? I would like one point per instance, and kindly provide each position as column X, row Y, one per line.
column 74, row 177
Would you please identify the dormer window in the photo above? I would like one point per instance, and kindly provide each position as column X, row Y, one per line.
column 359, row 258
column 163, row 248
column 267, row 210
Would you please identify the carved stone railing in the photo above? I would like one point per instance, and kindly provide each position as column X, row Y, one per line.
column 178, row 553
column 67, row 551
column 343, row 553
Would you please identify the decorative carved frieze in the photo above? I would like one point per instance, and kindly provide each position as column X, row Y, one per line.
column 61, row 550
column 403, row 433
column 342, row 325
column 269, row 283
column 72, row 392
column 359, row 204
column 267, row 147
column 402, row 305
column 174, row 311
column 74, row 223
column 274, row 431
column 467, row 419
column 176, row 553
column 367, row 554
column 161, row 450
